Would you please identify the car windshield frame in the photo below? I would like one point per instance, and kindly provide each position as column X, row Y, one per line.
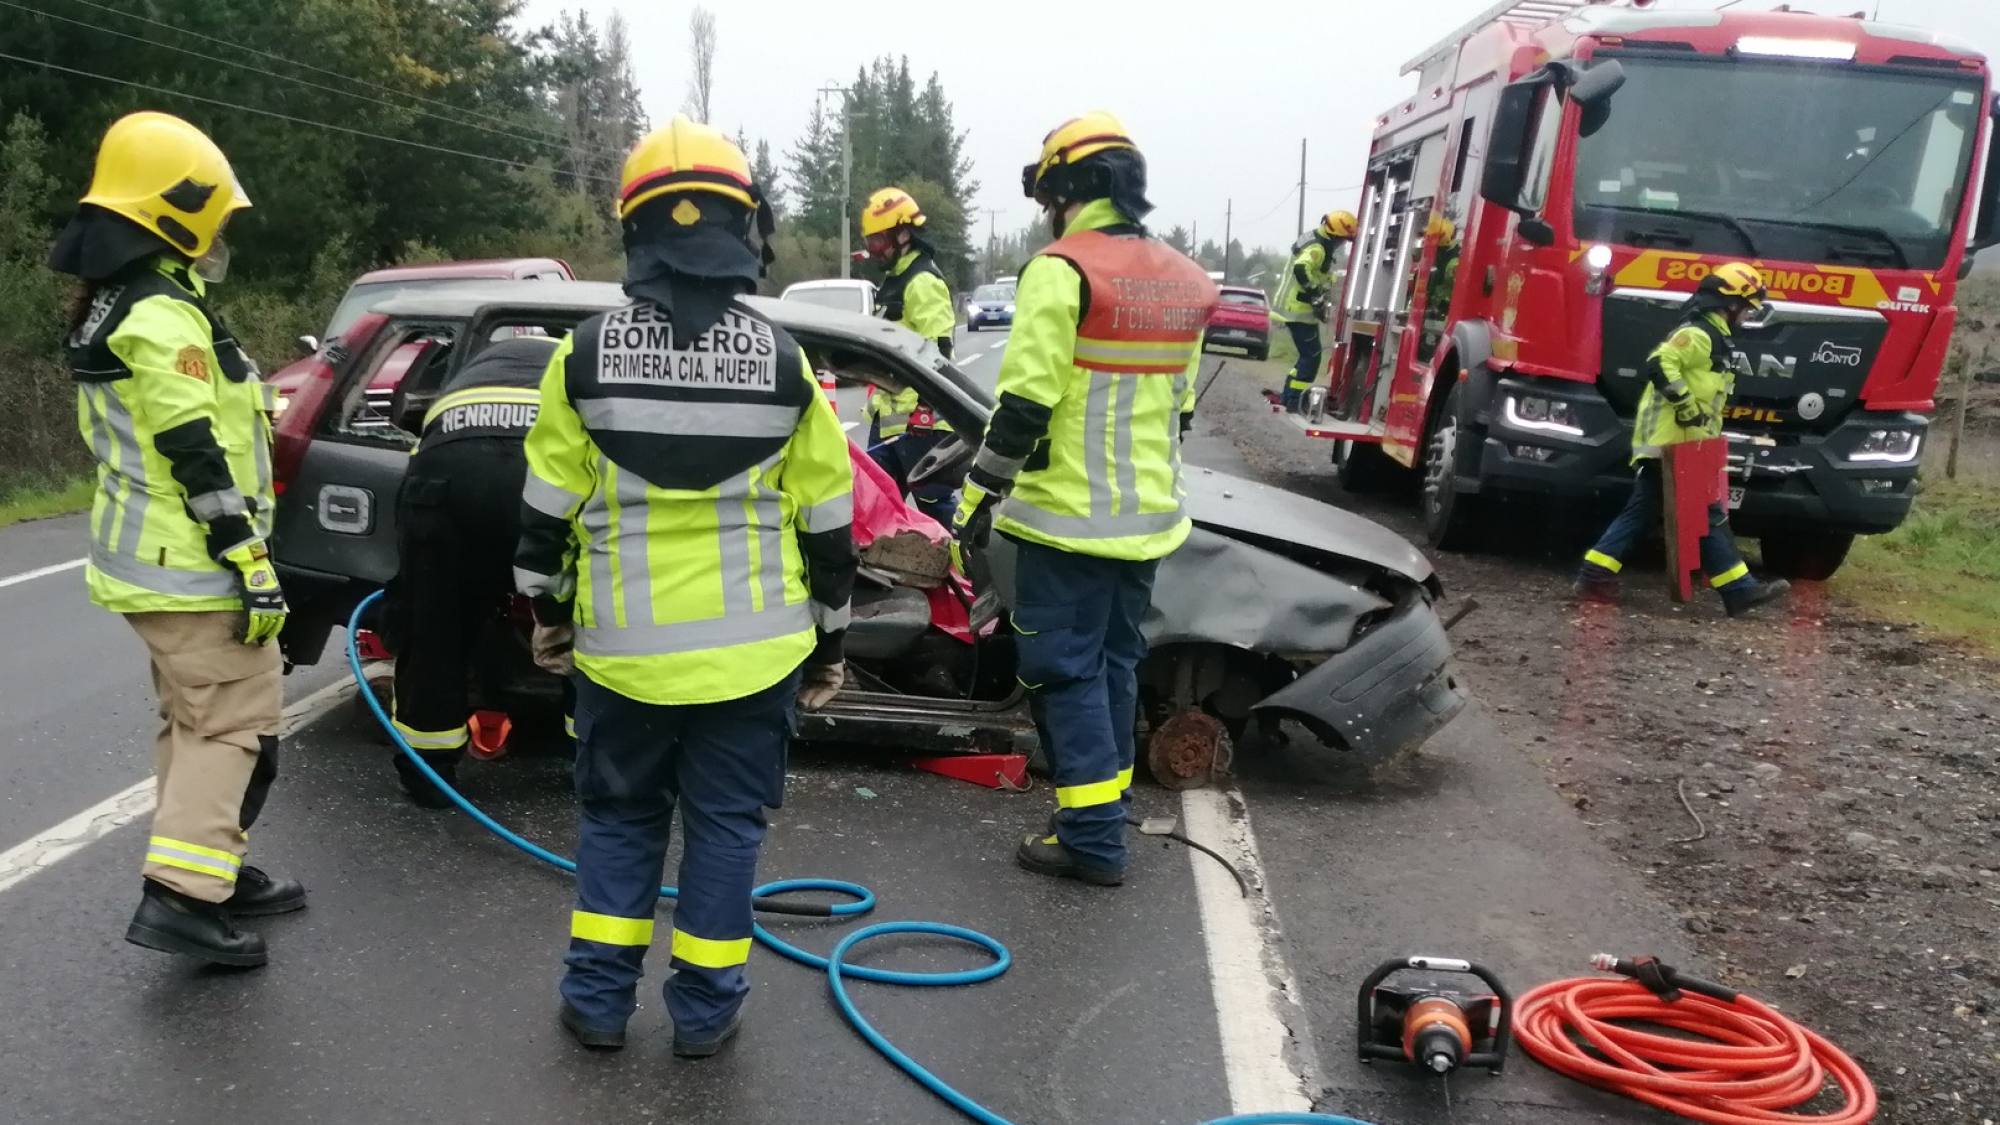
column 363, row 296
column 851, row 298
column 1790, row 159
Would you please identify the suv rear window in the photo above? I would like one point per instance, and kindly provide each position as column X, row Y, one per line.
column 1242, row 297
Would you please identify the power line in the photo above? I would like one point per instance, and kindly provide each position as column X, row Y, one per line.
column 1284, row 199
column 275, row 57
column 515, row 164
column 560, row 146
column 1336, row 190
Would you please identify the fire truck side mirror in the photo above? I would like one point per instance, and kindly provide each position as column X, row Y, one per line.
column 1598, row 83
column 1511, row 141
column 1986, row 227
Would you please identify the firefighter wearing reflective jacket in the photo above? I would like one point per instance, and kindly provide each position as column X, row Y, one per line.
column 457, row 524
column 1308, row 283
column 686, row 542
column 1080, row 470
column 180, row 425
column 914, row 294
column 1688, row 382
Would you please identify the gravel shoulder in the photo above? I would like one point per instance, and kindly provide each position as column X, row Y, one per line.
column 1815, row 791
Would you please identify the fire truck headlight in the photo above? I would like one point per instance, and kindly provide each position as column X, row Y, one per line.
column 1533, row 412
column 1896, row 447
column 1598, row 258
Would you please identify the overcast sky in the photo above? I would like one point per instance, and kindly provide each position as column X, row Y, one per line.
column 1218, row 97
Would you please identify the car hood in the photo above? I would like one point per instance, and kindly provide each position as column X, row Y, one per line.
column 1245, row 509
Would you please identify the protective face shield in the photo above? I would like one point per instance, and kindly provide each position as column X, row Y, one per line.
column 213, row 267
column 885, row 246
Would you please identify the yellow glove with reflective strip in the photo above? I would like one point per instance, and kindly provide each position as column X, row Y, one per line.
column 264, row 605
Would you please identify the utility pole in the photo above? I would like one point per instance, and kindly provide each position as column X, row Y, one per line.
column 1302, row 190
column 846, row 174
column 1228, row 228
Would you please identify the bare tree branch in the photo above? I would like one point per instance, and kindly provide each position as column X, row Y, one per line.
column 701, row 57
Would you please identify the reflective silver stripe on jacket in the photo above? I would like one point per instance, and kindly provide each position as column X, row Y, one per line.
column 1089, row 527
column 887, row 422
column 828, row 515
column 1091, row 351
column 749, row 547
column 1006, row 468
column 688, row 418
column 115, row 442
column 549, row 499
column 211, row 506
column 164, row 579
column 768, row 624
column 832, row 620
column 558, row 586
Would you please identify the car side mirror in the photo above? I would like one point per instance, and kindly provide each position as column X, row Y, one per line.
column 306, row 345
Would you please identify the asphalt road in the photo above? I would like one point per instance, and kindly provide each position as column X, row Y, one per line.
column 420, row 985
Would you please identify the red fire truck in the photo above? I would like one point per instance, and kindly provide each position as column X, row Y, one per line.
column 1569, row 170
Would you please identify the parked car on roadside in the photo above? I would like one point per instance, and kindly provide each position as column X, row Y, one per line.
column 1280, row 613
column 848, row 294
column 989, row 305
column 379, row 285
column 1242, row 319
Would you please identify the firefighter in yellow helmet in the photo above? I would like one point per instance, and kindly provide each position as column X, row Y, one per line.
column 1308, row 284
column 686, row 542
column 1079, row 473
column 913, row 293
column 1442, row 233
column 1689, row 379
column 180, row 425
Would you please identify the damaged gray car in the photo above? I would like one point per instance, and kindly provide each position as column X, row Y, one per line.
column 1280, row 619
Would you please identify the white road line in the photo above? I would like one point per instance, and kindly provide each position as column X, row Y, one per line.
column 1266, row 1049
column 26, row 860
column 41, row 572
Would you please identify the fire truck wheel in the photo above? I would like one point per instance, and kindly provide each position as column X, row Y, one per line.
column 1453, row 520
column 1363, row 467
column 1809, row 555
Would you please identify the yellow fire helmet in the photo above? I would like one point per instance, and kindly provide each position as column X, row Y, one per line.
column 1073, row 140
column 1337, row 224
column 685, row 156
column 887, row 209
column 1442, row 229
column 167, row 176
column 1737, row 279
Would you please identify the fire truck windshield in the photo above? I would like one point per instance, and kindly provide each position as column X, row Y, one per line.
column 1778, row 159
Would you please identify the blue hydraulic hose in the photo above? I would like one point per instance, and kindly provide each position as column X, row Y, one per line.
column 835, row 966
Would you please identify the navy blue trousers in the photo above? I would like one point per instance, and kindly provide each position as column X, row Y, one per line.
column 1305, row 337
column 1641, row 518
column 1076, row 620
column 723, row 764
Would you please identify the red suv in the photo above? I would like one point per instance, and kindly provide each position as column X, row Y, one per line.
column 376, row 286
column 1242, row 319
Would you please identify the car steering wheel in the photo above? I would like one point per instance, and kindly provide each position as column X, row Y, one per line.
column 948, row 457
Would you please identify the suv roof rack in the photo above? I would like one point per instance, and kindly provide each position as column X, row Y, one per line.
column 1520, row 13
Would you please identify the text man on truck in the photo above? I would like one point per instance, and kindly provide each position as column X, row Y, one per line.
column 1596, row 167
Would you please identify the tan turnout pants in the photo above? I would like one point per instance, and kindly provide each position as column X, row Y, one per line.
column 217, row 751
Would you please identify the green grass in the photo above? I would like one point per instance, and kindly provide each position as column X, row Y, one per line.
column 35, row 502
column 1941, row 569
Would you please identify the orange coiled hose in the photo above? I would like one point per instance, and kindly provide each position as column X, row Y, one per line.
column 1749, row 1066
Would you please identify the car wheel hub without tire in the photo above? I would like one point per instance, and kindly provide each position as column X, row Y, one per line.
column 1189, row 750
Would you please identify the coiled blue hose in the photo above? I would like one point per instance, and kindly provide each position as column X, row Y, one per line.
column 838, row 971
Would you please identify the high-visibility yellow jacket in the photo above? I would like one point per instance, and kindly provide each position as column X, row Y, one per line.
column 690, row 503
column 180, row 425
column 915, row 296
column 1085, row 444
column 1692, row 364
column 1309, row 277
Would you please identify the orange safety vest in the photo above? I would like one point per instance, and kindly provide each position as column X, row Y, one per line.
column 1146, row 303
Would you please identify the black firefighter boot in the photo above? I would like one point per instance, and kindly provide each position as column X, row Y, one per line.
column 1746, row 594
column 1595, row 584
column 423, row 793
column 259, row 895
column 172, row 922
column 1045, row 855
